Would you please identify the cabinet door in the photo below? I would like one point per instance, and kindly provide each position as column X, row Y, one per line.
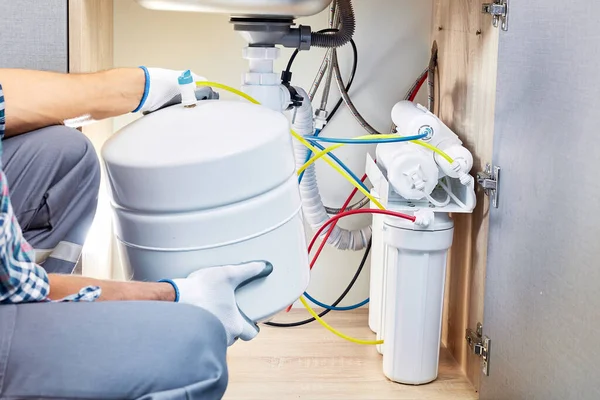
column 33, row 34
column 542, row 301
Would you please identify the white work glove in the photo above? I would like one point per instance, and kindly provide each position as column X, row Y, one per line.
column 162, row 89
column 213, row 289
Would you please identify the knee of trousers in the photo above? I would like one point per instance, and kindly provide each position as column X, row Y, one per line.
column 79, row 154
column 204, row 343
column 74, row 153
column 204, row 333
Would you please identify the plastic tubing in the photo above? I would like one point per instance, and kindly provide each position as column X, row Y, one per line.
column 330, row 231
column 444, row 155
column 393, row 138
column 297, row 137
column 317, row 155
column 443, row 184
column 341, row 164
column 335, row 308
column 335, row 218
column 335, row 331
column 327, row 150
column 340, row 171
column 315, row 213
column 436, row 202
column 422, row 80
column 308, row 155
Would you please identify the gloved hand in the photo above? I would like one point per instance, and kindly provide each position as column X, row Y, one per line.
column 213, row 289
column 162, row 89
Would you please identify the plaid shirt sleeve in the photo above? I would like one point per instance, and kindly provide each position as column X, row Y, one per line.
column 21, row 279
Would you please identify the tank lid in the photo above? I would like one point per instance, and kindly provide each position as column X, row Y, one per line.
column 182, row 159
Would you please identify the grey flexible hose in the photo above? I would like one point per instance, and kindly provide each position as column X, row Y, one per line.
column 326, row 64
column 332, row 13
column 346, row 97
column 343, row 36
column 319, row 77
column 358, row 205
column 334, row 22
column 328, row 80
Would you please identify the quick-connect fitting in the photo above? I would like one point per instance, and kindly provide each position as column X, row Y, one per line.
column 321, row 119
column 466, row 179
column 424, row 217
column 187, row 86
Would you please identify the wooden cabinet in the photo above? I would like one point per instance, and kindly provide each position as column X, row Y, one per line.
column 90, row 35
column 526, row 100
column 467, row 56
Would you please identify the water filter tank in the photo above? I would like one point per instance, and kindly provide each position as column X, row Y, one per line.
column 210, row 185
column 413, row 297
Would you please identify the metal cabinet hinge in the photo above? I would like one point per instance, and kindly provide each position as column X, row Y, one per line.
column 489, row 180
column 499, row 12
column 480, row 345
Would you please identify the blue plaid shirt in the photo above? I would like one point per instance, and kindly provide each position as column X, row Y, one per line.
column 21, row 279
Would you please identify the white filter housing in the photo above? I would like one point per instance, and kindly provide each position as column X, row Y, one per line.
column 413, row 297
column 376, row 277
column 411, row 170
column 206, row 186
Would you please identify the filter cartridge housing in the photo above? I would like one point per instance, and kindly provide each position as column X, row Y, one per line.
column 413, row 297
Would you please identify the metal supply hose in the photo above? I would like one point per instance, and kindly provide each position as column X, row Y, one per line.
column 431, row 77
column 343, row 36
column 338, row 78
column 319, row 78
column 334, row 17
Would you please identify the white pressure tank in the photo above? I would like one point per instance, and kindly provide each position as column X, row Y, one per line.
column 208, row 185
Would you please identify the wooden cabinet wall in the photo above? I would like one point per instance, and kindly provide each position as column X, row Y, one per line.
column 468, row 56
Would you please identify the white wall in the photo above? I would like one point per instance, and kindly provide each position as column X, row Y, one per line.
column 393, row 39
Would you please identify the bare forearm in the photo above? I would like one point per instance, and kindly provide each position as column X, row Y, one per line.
column 35, row 99
column 64, row 285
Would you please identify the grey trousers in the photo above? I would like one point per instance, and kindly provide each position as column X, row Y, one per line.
column 112, row 350
column 99, row 351
column 54, row 178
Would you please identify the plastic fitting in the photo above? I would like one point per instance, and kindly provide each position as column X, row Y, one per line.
column 187, row 87
column 321, row 119
column 424, row 218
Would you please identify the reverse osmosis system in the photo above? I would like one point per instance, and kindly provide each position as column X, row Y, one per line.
column 234, row 183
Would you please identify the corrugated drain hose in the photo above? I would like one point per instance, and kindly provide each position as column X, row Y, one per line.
column 312, row 205
column 345, row 33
